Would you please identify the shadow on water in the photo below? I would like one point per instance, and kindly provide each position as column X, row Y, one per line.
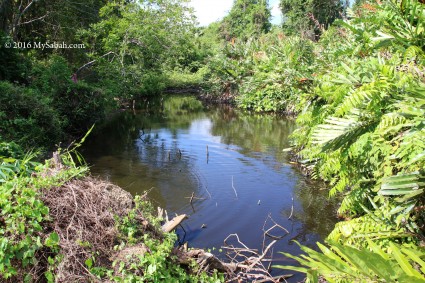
column 231, row 160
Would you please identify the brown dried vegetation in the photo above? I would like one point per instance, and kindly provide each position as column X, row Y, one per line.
column 82, row 214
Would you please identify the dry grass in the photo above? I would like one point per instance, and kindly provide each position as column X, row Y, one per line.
column 82, row 214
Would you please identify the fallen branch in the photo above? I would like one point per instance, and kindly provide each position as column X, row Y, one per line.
column 244, row 264
column 273, row 227
column 173, row 223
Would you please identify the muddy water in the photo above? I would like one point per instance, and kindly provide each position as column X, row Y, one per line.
column 231, row 161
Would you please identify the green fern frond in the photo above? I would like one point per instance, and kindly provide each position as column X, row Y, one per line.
column 354, row 99
column 368, row 226
column 340, row 186
column 412, row 53
column 340, row 132
column 371, row 93
column 351, row 201
column 391, row 123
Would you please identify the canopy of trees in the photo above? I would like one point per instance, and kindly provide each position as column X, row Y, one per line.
column 247, row 18
column 311, row 15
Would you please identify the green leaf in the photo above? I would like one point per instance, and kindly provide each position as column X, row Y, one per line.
column 415, row 256
column 89, row 262
column 52, row 241
column 49, row 276
column 404, row 262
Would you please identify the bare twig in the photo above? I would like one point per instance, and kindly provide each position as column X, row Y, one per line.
column 208, row 192
column 236, row 194
column 267, row 232
column 33, row 20
column 88, row 64
column 191, row 198
column 292, row 208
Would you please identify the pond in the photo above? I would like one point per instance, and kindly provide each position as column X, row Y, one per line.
column 231, row 161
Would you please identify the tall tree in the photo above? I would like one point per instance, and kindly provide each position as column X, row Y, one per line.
column 310, row 15
column 246, row 18
column 48, row 21
column 41, row 19
column 141, row 38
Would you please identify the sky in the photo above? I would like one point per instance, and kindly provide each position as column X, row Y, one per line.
column 208, row 11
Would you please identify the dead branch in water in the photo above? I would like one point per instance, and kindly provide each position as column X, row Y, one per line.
column 173, row 223
column 292, row 209
column 236, row 194
column 192, row 197
column 268, row 232
column 246, row 264
column 208, row 192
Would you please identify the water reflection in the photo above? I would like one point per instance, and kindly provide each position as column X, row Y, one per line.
column 231, row 160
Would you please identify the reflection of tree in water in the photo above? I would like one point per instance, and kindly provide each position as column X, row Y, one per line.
column 121, row 130
column 317, row 214
column 144, row 147
column 252, row 132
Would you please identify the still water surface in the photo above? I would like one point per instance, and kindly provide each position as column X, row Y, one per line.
column 232, row 161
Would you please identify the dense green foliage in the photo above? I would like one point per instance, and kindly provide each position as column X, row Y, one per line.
column 265, row 74
column 246, row 19
column 141, row 40
column 127, row 49
column 359, row 94
column 310, row 17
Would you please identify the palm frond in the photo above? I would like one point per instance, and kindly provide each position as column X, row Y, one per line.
column 340, row 132
column 404, row 186
column 344, row 263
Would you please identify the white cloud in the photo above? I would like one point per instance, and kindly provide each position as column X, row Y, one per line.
column 208, row 11
column 276, row 14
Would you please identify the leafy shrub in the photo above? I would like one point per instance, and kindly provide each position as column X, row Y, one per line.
column 10, row 150
column 151, row 83
column 186, row 79
column 79, row 104
column 13, row 65
column 27, row 116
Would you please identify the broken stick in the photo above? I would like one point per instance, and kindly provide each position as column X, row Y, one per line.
column 173, row 223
